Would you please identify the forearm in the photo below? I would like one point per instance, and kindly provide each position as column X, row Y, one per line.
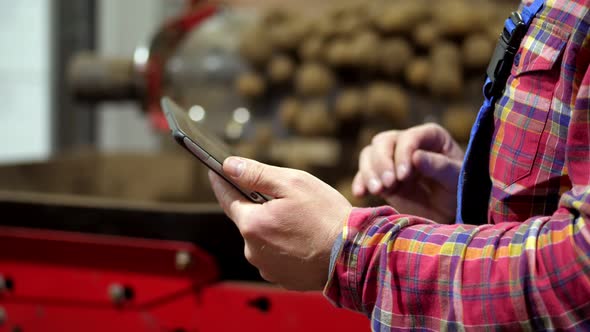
column 405, row 271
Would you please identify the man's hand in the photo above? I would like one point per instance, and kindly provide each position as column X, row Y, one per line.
column 415, row 170
column 289, row 238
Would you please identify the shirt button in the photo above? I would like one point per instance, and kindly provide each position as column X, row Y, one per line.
column 517, row 59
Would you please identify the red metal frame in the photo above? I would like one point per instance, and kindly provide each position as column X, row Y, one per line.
column 60, row 281
column 162, row 46
column 63, row 281
column 251, row 307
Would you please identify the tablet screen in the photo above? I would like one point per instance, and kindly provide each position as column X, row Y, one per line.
column 196, row 131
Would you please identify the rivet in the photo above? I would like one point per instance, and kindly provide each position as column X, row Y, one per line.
column 183, row 260
column 117, row 293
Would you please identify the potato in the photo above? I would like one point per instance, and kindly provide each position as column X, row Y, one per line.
column 389, row 101
column 339, row 53
column 280, row 69
column 312, row 48
column 446, row 75
column 313, row 79
column 458, row 120
column 325, row 28
column 350, row 24
column 276, row 15
column 455, row 18
column 426, row 35
column 250, row 85
column 289, row 110
column 392, row 19
column 358, row 9
column 445, row 54
column 446, row 82
column 315, row 120
column 399, row 17
column 256, row 47
column 350, row 104
column 418, row 72
column 394, row 56
column 365, row 49
column 288, row 35
column 477, row 50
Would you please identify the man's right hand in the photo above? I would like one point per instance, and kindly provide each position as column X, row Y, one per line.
column 415, row 170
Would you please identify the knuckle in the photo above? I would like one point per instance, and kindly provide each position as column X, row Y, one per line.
column 265, row 275
column 408, row 140
column 384, row 137
column 297, row 179
column 248, row 230
column 365, row 152
column 433, row 126
column 357, row 178
column 377, row 139
column 249, row 255
column 381, row 163
column 256, row 176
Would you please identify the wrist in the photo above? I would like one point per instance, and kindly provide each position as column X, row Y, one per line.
column 335, row 248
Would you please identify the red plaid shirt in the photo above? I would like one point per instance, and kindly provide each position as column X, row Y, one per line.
column 529, row 267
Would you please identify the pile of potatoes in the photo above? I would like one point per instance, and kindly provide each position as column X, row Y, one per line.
column 360, row 61
column 365, row 66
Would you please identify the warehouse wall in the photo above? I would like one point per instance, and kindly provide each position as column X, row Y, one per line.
column 25, row 80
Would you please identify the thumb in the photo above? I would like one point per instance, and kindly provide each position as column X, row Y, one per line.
column 437, row 167
column 253, row 175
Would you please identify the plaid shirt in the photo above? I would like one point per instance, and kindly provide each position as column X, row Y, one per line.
column 528, row 268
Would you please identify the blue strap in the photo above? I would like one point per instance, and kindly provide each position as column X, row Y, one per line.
column 476, row 163
column 529, row 12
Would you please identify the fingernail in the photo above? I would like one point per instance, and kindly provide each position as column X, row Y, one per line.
column 402, row 171
column 374, row 185
column 234, row 167
column 387, row 178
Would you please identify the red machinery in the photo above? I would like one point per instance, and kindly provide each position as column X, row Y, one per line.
column 79, row 265
column 63, row 281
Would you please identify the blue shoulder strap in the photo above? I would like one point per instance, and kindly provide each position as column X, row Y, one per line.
column 474, row 180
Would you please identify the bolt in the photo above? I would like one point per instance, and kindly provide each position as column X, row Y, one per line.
column 117, row 293
column 3, row 315
column 120, row 293
column 183, row 260
column 6, row 284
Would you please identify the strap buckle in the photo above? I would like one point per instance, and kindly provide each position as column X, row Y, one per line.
column 503, row 57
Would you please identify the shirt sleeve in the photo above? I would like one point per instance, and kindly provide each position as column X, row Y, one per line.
column 407, row 272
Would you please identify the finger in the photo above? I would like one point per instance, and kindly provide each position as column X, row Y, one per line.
column 358, row 187
column 257, row 176
column 382, row 157
column 370, row 178
column 437, row 167
column 233, row 203
column 428, row 137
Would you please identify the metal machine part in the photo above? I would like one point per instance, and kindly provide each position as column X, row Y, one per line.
column 68, row 281
column 192, row 58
